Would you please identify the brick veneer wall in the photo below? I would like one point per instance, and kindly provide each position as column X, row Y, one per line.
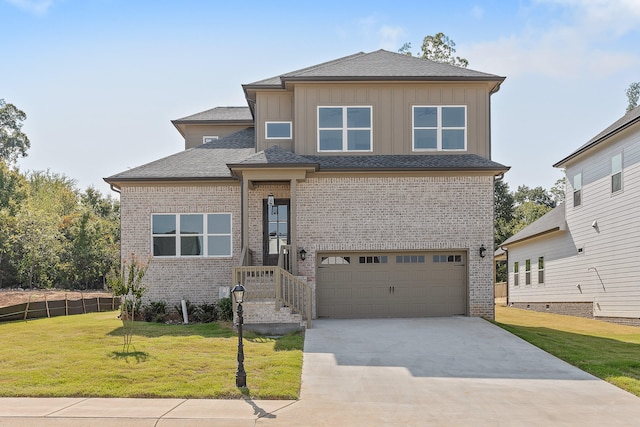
column 171, row 279
column 401, row 213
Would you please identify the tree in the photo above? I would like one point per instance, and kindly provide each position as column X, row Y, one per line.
column 633, row 94
column 503, row 212
column 13, row 142
column 438, row 48
column 538, row 196
column 558, row 190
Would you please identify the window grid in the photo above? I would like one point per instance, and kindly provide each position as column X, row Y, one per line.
column 345, row 129
column 439, row 127
column 191, row 236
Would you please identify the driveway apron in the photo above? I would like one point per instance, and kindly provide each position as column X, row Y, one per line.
column 457, row 371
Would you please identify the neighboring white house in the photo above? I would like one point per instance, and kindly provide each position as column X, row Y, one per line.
column 582, row 257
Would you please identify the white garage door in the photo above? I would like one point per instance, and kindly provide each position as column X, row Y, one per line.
column 366, row 285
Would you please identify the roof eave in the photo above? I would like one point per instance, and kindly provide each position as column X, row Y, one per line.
column 598, row 141
column 533, row 236
column 116, row 181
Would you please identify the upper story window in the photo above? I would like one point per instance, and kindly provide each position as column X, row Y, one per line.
column 277, row 130
column 206, row 139
column 616, row 173
column 189, row 235
column 577, row 190
column 344, row 129
column 439, row 128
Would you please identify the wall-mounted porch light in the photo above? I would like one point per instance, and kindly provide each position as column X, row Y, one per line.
column 303, row 254
column 270, row 200
column 482, row 251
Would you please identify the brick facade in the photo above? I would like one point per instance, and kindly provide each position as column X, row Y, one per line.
column 171, row 279
column 383, row 213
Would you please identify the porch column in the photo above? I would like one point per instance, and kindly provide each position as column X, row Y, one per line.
column 293, row 206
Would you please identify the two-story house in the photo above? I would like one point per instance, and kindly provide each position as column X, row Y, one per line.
column 580, row 258
column 360, row 187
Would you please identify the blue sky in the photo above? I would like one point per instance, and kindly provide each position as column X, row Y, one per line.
column 100, row 80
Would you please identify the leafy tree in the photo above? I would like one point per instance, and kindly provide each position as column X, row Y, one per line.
column 438, row 48
column 503, row 212
column 13, row 188
column 558, row 190
column 633, row 94
column 538, row 196
column 13, row 142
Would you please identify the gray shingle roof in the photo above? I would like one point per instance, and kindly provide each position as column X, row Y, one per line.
column 554, row 220
column 219, row 114
column 623, row 122
column 379, row 65
column 275, row 156
column 408, row 162
column 205, row 161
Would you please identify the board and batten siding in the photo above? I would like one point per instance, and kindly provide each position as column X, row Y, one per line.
column 392, row 112
column 605, row 227
column 194, row 133
column 273, row 107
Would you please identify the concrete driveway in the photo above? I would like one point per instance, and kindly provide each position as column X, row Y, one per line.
column 443, row 372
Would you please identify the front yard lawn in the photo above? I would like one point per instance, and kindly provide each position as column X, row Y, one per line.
column 83, row 355
column 605, row 350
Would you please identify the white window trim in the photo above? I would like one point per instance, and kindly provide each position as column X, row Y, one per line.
column 204, row 138
column 619, row 172
column 205, row 235
column 345, row 129
column 573, row 188
column 439, row 128
column 266, row 127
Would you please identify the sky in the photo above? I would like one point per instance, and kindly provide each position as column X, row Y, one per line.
column 100, row 80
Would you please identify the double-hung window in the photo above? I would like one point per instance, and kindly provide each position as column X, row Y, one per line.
column 577, row 190
column 439, row 128
column 345, row 129
column 191, row 235
column 540, row 270
column 616, row 173
column 527, row 272
column 516, row 273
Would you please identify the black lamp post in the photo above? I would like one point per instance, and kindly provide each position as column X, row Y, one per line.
column 241, row 376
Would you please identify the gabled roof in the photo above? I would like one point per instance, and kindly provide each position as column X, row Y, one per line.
column 218, row 114
column 554, row 220
column 206, row 161
column 274, row 156
column 629, row 119
column 378, row 65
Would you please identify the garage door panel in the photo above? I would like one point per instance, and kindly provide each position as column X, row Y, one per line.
column 394, row 285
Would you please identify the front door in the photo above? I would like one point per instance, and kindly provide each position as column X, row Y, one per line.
column 275, row 229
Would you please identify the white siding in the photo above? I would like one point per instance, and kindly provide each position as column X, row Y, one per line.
column 608, row 270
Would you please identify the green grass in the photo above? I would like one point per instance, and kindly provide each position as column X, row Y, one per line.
column 83, row 355
column 605, row 350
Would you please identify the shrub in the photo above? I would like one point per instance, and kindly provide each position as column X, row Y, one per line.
column 155, row 311
column 225, row 311
column 206, row 313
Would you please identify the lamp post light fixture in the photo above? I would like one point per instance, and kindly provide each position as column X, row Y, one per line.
column 482, row 251
column 238, row 292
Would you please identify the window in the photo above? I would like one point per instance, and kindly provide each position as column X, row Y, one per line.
column 540, row 270
column 446, row 258
column 373, row 259
column 439, row 128
column 190, row 235
column 206, row 139
column 277, row 130
column 577, row 190
column 335, row 260
column 516, row 274
column 527, row 272
column 616, row 173
column 344, row 129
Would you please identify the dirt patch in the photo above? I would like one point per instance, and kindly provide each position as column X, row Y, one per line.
column 13, row 297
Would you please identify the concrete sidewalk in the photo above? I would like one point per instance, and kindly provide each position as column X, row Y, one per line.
column 388, row 372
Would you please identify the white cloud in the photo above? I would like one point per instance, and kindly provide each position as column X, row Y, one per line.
column 390, row 37
column 37, row 7
column 586, row 45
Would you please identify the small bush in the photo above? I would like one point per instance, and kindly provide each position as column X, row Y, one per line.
column 206, row 313
column 155, row 311
column 225, row 312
